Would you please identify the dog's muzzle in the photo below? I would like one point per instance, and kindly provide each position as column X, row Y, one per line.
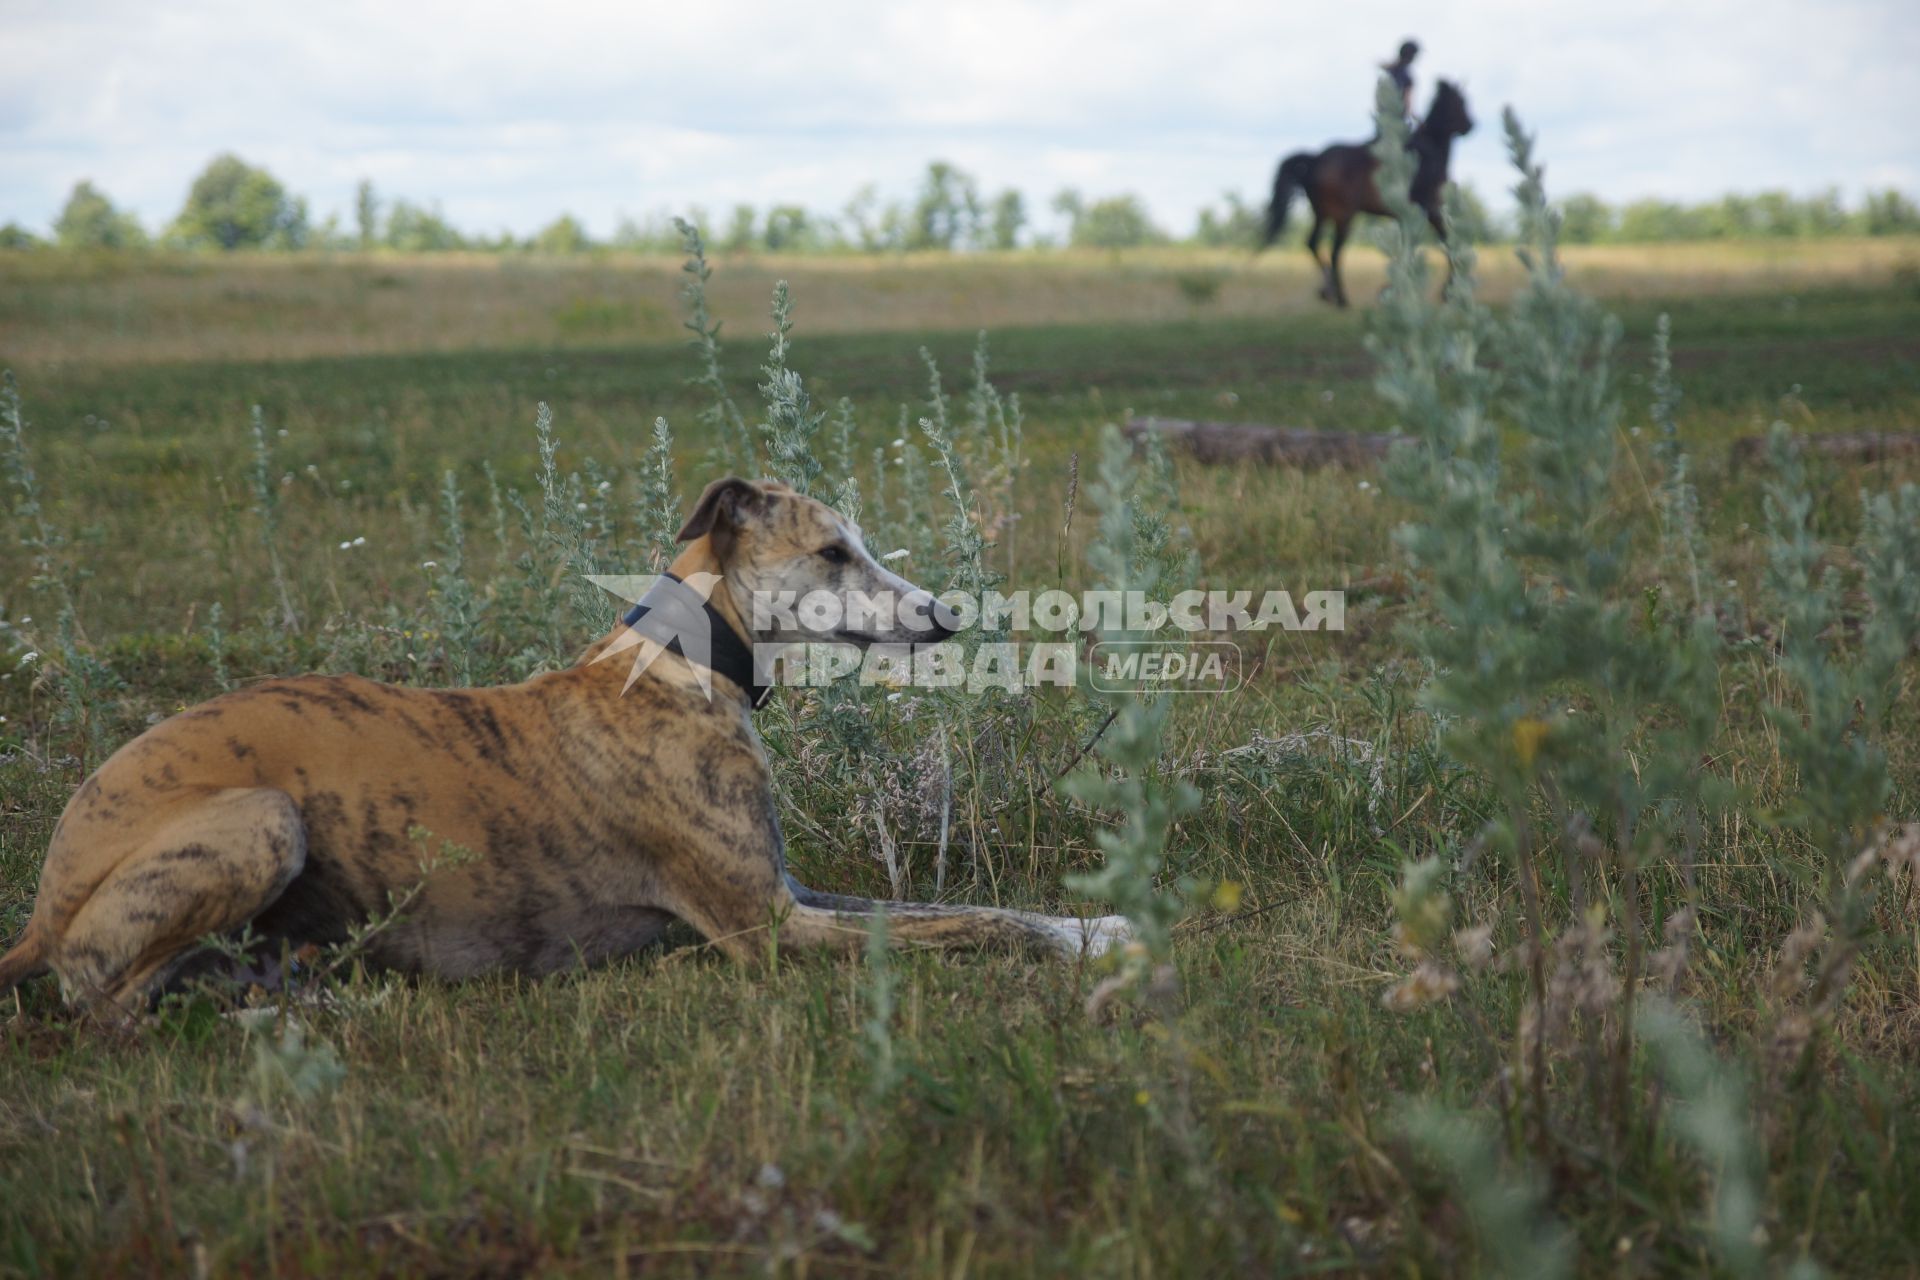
column 930, row 620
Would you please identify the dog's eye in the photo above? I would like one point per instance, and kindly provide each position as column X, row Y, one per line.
column 835, row 554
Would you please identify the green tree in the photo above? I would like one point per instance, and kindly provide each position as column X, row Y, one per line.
column 331, row 237
column 564, row 234
column 1584, row 219
column 90, row 221
column 413, row 228
column 789, row 229
column 234, row 205
column 1117, row 222
column 947, row 213
column 1889, row 213
column 1009, row 216
column 1235, row 226
column 1070, row 205
column 15, row 236
column 1662, row 220
column 1824, row 214
column 871, row 227
column 741, row 233
column 366, row 213
column 1468, row 216
column 652, row 234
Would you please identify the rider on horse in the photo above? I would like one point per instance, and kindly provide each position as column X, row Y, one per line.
column 1400, row 71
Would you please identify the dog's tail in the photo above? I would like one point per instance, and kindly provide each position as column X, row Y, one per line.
column 1295, row 172
column 28, row 957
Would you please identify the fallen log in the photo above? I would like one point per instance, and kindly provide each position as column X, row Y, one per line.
column 1851, row 446
column 1231, row 442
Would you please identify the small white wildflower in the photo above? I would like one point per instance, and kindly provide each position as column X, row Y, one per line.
column 893, row 697
column 360, row 541
column 604, row 485
column 429, row 564
column 901, row 554
column 1326, row 397
column 901, row 443
column 282, row 433
column 346, row 546
column 29, row 656
column 579, row 506
column 1364, row 486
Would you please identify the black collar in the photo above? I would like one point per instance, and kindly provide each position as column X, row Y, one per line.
column 667, row 613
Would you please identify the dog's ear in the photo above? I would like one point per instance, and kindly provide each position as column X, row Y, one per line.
column 724, row 505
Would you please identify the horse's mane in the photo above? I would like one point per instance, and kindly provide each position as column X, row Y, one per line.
column 1448, row 104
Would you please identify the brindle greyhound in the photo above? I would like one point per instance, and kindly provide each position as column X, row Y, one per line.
column 599, row 812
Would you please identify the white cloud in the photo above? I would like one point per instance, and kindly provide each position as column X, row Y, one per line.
column 509, row 114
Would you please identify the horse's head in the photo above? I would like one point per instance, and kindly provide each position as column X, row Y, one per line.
column 1449, row 112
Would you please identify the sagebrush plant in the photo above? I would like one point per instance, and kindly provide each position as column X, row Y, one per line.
column 1516, row 1235
column 727, row 429
column 1544, row 670
column 266, row 483
column 1830, row 726
column 82, row 681
column 1550, row 670
column 792, row 424
column 657, row 510
column 1132, row 877
column 458, row 608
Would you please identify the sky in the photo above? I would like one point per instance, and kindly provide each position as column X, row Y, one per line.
column 506, row 115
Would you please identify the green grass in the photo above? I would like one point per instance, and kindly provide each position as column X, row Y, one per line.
column 672, row 1114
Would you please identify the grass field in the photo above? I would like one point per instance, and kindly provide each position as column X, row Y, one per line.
column 114, row 309
column 673, row 1114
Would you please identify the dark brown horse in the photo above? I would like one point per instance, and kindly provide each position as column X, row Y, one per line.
column 1339, row 183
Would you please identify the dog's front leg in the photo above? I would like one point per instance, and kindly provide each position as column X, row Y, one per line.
column 827, row 919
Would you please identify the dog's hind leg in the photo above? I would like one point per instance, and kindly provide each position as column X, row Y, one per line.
column 212, row 864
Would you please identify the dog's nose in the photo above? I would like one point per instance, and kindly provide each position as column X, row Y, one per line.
column 932, row 617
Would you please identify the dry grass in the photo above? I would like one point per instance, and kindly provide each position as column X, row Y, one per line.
column 57, row 310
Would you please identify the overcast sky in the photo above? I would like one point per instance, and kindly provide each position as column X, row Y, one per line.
column 508, row 114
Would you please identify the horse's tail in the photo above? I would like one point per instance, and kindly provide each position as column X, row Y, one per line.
column 1295, row 172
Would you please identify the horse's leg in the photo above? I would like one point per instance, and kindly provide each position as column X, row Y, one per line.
column 1439, row 224
column 1340, row 230
column 1313, row 247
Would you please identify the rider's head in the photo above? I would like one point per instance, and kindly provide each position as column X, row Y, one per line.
column 1409, row 50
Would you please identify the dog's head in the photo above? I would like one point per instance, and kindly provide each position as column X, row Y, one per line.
column 798, row 571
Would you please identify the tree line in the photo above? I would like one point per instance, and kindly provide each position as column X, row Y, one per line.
column 233, row 205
